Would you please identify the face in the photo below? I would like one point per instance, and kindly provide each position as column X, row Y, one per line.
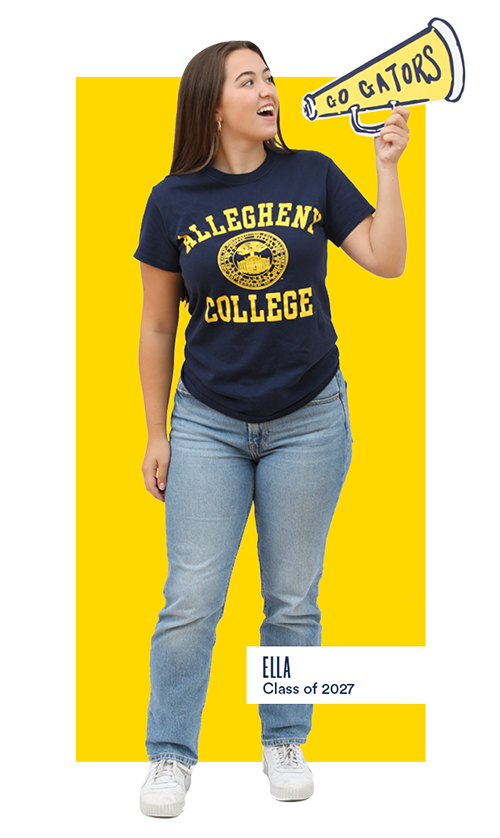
column 249, row 102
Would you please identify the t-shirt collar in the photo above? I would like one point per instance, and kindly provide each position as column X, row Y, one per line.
column 246, row 177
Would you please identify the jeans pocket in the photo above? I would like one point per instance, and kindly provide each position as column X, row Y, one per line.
column 336, row 390
column 181, row 390
column 330, row 393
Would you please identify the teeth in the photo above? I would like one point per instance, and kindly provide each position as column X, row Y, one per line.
column 267, row 109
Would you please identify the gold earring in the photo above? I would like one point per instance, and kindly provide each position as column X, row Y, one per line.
column 220, row 125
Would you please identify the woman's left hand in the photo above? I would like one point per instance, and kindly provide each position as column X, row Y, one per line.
column 393, row 138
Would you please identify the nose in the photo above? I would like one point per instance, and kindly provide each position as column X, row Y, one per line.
column 264, row 89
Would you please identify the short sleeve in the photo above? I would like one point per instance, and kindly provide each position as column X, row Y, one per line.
column 155, row 247
column 346, row 206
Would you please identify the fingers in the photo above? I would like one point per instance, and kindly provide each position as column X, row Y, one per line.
column 394, row 135
column 398, row 121
column 154, row 470
column 402, row 111
column 152, row 486
column 161, row 477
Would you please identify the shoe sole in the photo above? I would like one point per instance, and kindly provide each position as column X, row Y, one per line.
column 291, row 794
column 167, row 810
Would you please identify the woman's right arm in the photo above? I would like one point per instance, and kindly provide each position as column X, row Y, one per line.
column 160, row 315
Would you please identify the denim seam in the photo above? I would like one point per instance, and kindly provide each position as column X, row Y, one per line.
column 348, row 451
column 342, row 402
column 261, row 573
column 256, row 450
column 235, row 555
column 172, row 755
column 294, row 741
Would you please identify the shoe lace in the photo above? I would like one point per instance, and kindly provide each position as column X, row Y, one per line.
column 164, row 774
column 288, row 756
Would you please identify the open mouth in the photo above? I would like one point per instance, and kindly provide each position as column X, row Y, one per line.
column 267, row 111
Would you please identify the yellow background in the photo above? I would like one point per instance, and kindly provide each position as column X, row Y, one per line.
column 372, row 592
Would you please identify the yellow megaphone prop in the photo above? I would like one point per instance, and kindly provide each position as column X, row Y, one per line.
column 426, row 67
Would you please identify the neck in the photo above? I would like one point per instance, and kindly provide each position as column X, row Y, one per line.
column 236, row 159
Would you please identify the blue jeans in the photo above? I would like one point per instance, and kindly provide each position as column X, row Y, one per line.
column 292, row 469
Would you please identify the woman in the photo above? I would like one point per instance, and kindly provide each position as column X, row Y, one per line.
column 240, row 226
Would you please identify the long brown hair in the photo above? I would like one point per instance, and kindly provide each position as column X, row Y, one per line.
column 196, row 138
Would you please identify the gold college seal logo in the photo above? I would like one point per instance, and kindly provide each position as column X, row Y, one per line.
column 253, row 260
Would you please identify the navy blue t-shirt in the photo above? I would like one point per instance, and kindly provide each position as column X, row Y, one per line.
column 252, row 249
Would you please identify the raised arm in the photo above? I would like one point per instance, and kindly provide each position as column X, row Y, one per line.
column 160, row 315
column 378, row 243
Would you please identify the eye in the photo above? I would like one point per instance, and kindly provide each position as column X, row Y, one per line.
column 271, row 79
column 250, row 81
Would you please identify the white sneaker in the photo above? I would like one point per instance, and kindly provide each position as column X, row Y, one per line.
column 165, row 787
column 289, row 776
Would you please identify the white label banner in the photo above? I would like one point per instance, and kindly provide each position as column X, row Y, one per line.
column 336, row 674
